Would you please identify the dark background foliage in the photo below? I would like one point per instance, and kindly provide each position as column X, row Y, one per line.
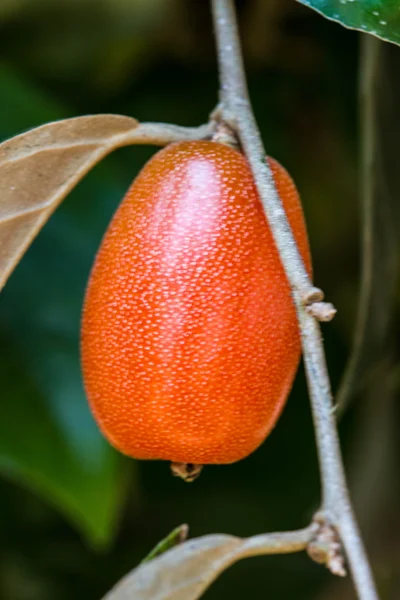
column 75, row 516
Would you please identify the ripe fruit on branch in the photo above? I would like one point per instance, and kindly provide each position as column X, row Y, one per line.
column 190, row 342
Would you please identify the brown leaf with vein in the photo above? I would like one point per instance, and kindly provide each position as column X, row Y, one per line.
column 40, row 167
column 180, row 574
column 187, row 570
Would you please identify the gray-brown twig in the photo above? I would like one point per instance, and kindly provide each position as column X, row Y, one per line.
column 235, row 109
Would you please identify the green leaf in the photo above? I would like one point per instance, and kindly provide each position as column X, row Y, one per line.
column 49, row 441
column 24, row 105
column 175, row 537
column 70, row 466
column 379, row 17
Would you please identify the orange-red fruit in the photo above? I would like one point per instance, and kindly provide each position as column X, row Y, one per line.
column 189, row 335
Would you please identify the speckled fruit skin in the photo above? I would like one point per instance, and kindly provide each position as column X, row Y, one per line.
column 190, row 342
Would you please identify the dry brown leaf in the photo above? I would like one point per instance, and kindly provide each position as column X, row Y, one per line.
column 182, row 573
column 40, row 167
column 186, row 571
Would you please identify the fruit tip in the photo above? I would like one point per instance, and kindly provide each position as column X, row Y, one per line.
column 186, row 471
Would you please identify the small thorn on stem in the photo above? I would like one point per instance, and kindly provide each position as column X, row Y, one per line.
column 325, row 547
column 313, row 294
column 186, row 471
column 313, row 302
column 323, row 311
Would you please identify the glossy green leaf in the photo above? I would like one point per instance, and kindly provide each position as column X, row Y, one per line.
column 48, row 438
column 379, row 17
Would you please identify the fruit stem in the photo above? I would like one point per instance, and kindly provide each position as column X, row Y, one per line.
column 236, row 110
column 161, row 134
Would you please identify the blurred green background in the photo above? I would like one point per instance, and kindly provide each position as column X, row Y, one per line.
column 75, row 516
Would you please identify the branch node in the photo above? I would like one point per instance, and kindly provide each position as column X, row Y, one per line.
column 224, row 117
column 326, row 548
column 323, row 311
